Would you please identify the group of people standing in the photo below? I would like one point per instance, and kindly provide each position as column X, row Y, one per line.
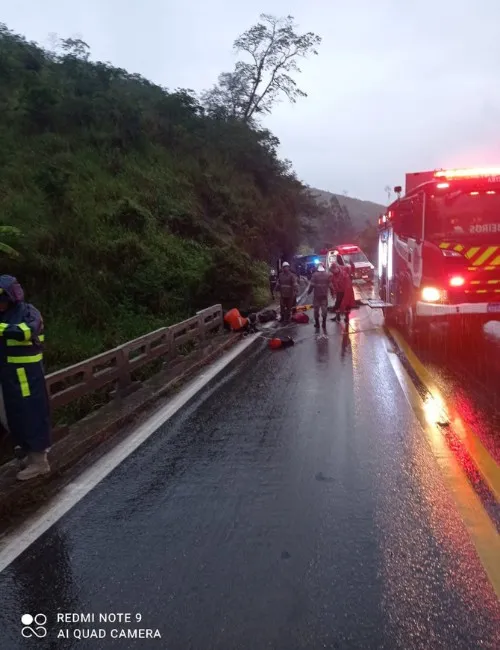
column 336, row 282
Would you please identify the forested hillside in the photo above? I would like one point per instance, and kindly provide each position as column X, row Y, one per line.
column 359, row 211
column 135, row 204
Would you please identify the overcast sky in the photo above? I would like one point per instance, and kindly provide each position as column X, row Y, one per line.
column 397, row 86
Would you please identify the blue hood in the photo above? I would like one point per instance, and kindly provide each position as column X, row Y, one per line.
column 11, row 288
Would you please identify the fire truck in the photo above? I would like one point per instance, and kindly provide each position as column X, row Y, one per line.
column 439, row 250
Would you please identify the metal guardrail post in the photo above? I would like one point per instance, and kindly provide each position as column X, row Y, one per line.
column 124, row 377
column 221, row 317
column 202, row 335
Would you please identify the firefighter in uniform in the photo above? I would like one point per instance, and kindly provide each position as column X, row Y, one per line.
column 320, row 284
column 342, row 289
column 22, row 377
column 288, row 288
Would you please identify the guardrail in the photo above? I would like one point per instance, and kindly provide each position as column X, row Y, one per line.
column 116, row 366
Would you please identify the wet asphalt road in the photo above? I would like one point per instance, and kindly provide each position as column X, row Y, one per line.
column 468, row 375
column 293, row 504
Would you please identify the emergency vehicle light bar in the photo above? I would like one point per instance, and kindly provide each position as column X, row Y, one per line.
column 467, row 173
column 347, row 248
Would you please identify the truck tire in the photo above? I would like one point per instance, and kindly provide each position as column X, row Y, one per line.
column 415, row 327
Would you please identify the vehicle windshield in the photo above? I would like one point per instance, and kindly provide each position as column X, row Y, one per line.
column 354, row 257
column 461, row 214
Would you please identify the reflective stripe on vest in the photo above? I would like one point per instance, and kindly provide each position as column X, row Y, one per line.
column 26, row 330
column 23, row 382
column 11, row 343
column 33, row 359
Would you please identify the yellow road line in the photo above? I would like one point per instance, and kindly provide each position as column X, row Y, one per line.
column 484, row 461
column 480, row 527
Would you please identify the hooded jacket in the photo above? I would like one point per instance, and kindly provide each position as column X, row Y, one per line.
column 22, row 378
column 21, row 326
column 342, row 283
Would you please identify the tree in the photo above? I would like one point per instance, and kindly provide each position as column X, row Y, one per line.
column 345, row 225
column 368, row 240
column 332, row 221
column 75, row 47
column 255, row 86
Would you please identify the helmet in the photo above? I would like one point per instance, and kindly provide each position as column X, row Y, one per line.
column 285, row 265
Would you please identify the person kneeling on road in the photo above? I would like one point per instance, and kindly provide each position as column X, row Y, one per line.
column 22, row 376
column 288, row 288
column 320, row 283
column 234, row 321
column 342, row 289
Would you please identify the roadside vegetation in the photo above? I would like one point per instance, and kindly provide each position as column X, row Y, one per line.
column 130, row 205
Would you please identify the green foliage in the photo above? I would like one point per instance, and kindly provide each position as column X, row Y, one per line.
column 136, row 207
column 5, row 248
column 272, row 47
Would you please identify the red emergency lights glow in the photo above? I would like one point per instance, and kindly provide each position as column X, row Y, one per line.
column 347, row 248
column 468, row 173
column 442, row 186
column 457, row 281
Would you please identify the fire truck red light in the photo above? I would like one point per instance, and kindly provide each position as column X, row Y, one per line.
column 474, row 193
column 443, row 186
column 468, row 173
column 490, row 192
column 457, row 281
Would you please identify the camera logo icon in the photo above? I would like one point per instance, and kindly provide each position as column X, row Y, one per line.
column 34, row 626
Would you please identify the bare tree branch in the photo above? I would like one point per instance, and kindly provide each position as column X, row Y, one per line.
column 273, row 46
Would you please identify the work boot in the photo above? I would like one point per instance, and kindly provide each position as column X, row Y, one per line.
column 316, row 324
column 21, row 456
column 38, row 465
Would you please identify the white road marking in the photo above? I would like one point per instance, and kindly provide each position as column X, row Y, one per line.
column 15, row 543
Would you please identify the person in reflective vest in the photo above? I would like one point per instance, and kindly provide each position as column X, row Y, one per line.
column 288, row 287
column 22, row 377
column 320, row 284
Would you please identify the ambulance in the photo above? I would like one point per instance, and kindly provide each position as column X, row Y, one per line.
column 354, row 259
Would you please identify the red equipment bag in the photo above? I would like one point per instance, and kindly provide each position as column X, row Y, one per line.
column 278, row 344
column 300, row 317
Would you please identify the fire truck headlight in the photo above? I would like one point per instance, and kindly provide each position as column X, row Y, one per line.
column 431, row 294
